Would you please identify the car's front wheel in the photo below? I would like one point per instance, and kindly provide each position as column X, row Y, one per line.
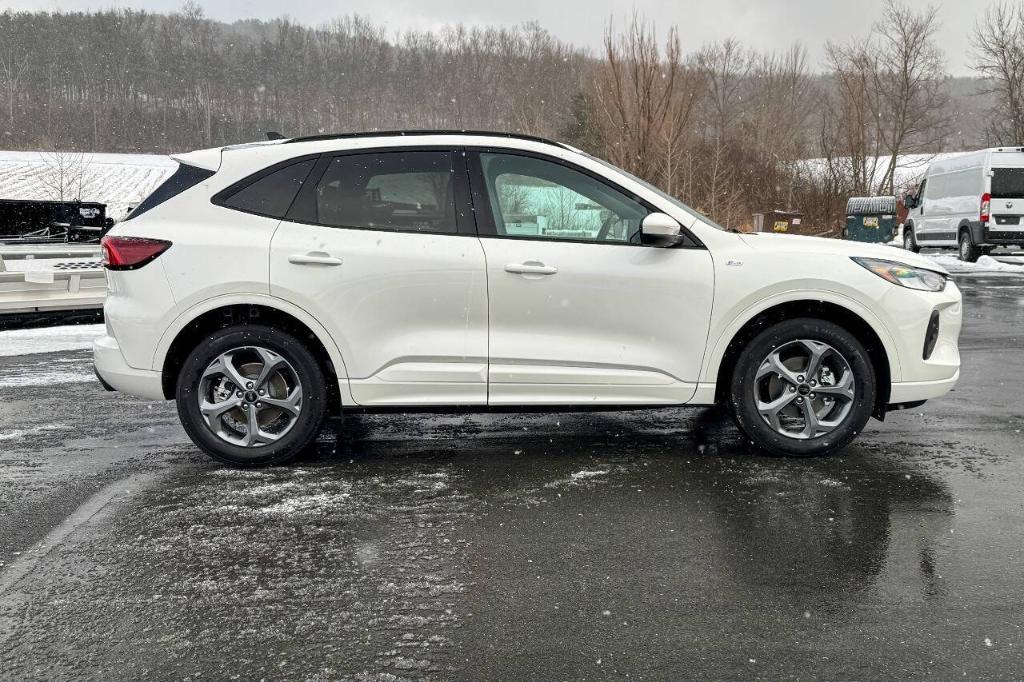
column 251, row 395
column 803, row 387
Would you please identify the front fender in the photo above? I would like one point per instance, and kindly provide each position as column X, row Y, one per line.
column 722, row 334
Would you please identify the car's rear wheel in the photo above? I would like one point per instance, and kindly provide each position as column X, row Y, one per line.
column 968, row 251
column 909, row 242
column 251, row 396
column 802, row 388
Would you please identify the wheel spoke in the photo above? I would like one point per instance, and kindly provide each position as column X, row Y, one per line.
column 842, row 390
column 770, row 410
column 224, row 366
column 817, row 352
column 271, row 362
column 291, row 404
column 216, row 410
column 773, row 365
column 811, row 422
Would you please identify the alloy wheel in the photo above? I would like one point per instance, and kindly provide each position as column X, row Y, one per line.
column 804, row 389
column 250, row 396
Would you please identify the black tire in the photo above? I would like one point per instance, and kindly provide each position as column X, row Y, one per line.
column 743, row 401
column 307, row 371
column 968, row 251
column 910, row 240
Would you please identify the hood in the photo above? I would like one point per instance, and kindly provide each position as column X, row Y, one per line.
column 800, row 245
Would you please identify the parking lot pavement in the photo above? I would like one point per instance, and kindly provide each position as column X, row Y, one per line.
column 652, row 544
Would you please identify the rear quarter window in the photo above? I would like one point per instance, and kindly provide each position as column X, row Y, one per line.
column 270, row 192
column 184, row 178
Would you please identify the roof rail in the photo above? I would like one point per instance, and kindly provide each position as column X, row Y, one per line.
column 407, row 133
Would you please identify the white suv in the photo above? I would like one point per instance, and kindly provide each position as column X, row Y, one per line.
column 265, row 286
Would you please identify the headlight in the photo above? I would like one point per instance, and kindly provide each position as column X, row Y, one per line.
column 904, row 275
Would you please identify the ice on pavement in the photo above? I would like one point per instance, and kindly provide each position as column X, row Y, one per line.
column 49, row 340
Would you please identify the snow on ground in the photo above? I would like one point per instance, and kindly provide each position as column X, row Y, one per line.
column 49, row 340
column 118, row 180
column 986, row 265
column 910, row 168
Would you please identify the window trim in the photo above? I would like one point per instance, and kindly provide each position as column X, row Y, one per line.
column 303, row 210
column 221, row 197
column 483, row 209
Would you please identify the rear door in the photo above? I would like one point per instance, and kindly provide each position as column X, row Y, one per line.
column 380, row 247
column 1006, row 205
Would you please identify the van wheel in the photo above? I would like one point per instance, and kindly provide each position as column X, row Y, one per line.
column 803, row 387
column 968, row 251
column 909, row 242
column 251, row 396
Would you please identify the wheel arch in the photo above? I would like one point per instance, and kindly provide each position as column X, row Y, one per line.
column 190, row 327
column 881, row 353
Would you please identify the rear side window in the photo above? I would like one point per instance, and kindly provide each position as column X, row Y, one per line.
column 184, row 178
column 409, row 191
column 270, row 193
column 1008, row 183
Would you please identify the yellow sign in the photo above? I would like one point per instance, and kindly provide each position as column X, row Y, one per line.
column 781, row 226
column 871, row 221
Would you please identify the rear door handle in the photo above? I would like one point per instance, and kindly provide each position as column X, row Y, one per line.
column 531, row 267
column 313, row 258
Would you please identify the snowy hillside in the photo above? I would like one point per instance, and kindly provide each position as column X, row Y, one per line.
column 910, row 168
column 118, row 180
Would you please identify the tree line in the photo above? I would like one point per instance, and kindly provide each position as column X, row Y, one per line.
column 727, row 129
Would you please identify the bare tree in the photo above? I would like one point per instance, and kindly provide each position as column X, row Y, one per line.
column 909, row 84
column 66, row 176
column 999, row 52
column 646, row 99
column 14, row 64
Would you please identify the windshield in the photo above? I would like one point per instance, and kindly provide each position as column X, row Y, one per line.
column 661, row 193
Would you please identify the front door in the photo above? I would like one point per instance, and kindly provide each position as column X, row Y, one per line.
column 580, row 312
column 380, row 247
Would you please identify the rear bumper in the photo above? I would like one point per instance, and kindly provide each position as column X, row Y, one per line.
column 115, row 374
column 997, row 236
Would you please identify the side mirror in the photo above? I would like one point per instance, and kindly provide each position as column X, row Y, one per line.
column 910, row 201
column 659, row 229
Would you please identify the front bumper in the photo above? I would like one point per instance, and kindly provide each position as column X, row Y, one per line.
column 115, row 374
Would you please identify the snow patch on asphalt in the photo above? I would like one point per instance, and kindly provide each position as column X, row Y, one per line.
column 579, row 478
column 49, row 340
column 46, row 377
column 19, row 434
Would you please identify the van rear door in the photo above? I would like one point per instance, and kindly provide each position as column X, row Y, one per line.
column 1006, row 206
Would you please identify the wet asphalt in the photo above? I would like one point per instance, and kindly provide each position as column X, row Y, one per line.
column 641, row 545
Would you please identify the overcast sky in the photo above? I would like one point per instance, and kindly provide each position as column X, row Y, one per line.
column 764, row 24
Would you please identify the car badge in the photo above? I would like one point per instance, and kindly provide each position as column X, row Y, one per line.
column 1009, row 204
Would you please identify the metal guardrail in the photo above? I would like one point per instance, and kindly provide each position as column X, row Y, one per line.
column 57, row 284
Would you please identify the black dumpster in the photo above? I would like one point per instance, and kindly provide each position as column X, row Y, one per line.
column 871, row 219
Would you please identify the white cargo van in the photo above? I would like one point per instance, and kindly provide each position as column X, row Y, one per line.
column 972, row 202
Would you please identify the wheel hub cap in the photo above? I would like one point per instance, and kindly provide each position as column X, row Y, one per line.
column 250, row 396
column 804, row 389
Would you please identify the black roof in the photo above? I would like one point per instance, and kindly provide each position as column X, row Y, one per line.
column 408, row 133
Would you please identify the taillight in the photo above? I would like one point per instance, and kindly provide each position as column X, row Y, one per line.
column 129, row 253
column 986, row 202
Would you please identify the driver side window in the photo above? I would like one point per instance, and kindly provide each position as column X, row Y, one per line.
column 534, row 198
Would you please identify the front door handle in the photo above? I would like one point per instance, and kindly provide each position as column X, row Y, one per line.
column 314, row 258
column 531, row 267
